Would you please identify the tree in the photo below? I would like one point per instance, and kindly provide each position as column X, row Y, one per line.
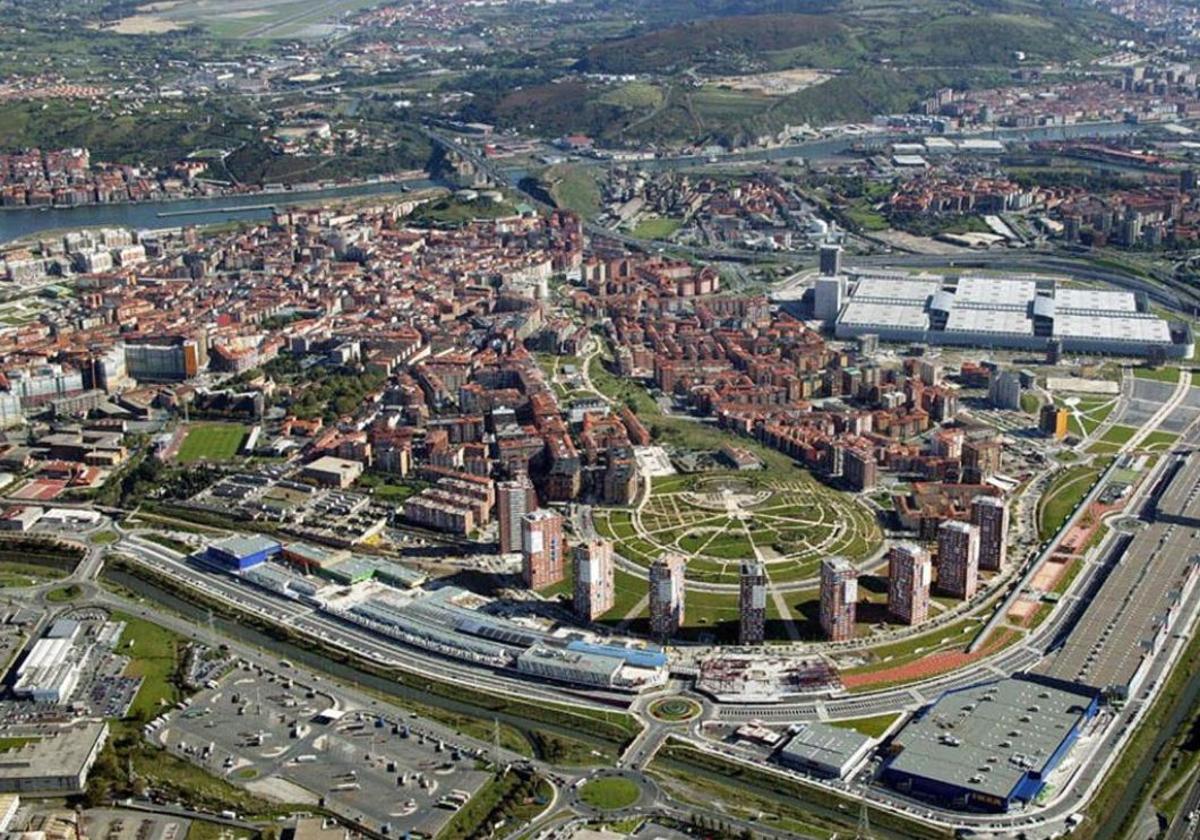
column 96, row 792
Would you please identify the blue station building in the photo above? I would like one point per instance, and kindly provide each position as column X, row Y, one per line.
column 242, row 552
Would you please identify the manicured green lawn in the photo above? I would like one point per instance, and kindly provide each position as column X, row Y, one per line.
column 1163, row 374
column 15, row 574
column 1119, row 435
column 154, row 654
column 610, row 793
column 1064, row 495
column 675, row 709
column 954, row 635
column 389, row 488
column 872, row 727
column 211, row 442
column 1077, row 427
column 63, row 594
column 706, row 610
column 1158, row 440
column 1095, row 412
column 656, row 228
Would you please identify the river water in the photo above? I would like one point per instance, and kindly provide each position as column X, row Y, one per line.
column 18, row 223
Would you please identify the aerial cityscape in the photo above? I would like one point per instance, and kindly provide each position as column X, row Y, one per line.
column 599, row 419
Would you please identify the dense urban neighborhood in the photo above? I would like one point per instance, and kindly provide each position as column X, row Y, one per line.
column 597, row 420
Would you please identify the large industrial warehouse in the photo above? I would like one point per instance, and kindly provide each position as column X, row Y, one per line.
column 1017, row 312
column 989, row 747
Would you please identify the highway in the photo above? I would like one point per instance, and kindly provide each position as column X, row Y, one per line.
column 1070, row 794
column 350, row 638
column 564, row 780
column 301, row 619
column 1177, row 397
column 1184, row 827
column 1165, row 291
column 1018, row 658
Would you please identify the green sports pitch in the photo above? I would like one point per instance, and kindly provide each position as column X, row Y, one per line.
column 211, row 442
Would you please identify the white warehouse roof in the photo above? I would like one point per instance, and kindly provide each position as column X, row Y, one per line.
column 989, row 290
column 988, row 320
column 1113, row 327
column 1019, row 312
column 1106, row 299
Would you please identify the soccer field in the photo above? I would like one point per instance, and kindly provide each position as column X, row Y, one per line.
column 211, row 442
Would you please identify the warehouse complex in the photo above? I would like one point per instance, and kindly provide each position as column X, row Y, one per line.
column 51, row 759
column 57, row 663
column 1013, row 312
column 991, row 746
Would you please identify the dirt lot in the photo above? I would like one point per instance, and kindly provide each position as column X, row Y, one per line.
column 143, row 24
column 783, row 83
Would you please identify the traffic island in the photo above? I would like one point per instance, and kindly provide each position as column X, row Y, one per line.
column 610, row 793
column 675, row 709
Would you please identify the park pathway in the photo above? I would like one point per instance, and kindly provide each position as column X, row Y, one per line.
column 633, row 614
column 785, row 614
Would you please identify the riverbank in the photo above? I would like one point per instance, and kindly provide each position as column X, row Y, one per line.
column 22, row 223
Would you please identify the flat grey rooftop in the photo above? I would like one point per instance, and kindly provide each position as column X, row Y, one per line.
column 821, row 743
column 987, row 738
column 244, row 545
column 1009, row 292
column 1110, row 300
column 47, row 751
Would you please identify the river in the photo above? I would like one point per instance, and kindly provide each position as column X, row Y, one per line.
column 838, row 146
column 19, row 223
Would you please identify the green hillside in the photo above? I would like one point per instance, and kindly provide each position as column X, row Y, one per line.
column 709, row 43
column 886, row 54
column 868, row 32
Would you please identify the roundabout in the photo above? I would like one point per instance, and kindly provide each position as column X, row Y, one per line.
column 609, row 792
column 675, row 709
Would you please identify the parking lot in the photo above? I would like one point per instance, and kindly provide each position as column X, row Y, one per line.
column 103, row 689
column 117, row 824
column 289, row 741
